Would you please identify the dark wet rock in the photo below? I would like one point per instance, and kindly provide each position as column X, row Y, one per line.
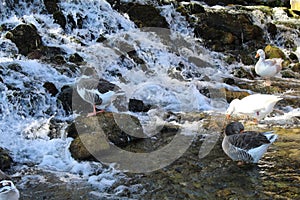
column 190, row 8
column 96, row 132
column 296, row 68
column 76, row 58
column 272, row 29
column 71, row 101
column 36, row 54
column 144, row 15
column 75, row 21
column 288, row 73
column 229, row 81
column 133, row 55
column 51, row 6
column 26, row 38
column 58, row 59
column 65, row 98
column 243, row 73
column 101, row 38
column 136, row 105
column 60, row 19
column 15, row 66
column 51, row 52
column 223, row 31
column 293, row 57
column 72, row 131
column 51, row 88
column 5, row 159
column 272, row 3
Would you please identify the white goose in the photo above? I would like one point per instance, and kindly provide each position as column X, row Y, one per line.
column 246, row 146
column 255, row 105
column 267, row 68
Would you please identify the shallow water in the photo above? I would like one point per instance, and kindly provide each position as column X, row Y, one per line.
column 276, row 176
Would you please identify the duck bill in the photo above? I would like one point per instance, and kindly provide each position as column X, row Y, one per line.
column 257, row 55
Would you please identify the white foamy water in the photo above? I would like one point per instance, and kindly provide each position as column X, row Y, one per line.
column 27, row 109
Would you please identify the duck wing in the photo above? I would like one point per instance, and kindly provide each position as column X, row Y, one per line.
column 248, row 140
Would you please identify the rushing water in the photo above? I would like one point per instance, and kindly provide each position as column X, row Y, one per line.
column 27, row 110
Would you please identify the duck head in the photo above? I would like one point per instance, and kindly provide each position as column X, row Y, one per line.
column 234, row 128
column 260, row 53
column 231, row 108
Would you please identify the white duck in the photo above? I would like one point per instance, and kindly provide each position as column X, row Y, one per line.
column 8, row 191
column 267, row 68
column 246, row 146
column 255, row 105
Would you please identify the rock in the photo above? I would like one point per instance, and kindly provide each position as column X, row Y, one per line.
column 76, row 58
column 243, row 73
column 58, row 59
column 288, row 73
column 230, row 95
column 223, row 31
column 71, row 101
column 51, row 88
column 26, row 38
column 78, row 149
column 101, row 38
column 136, row 105
column 96, row 133
column 190, row 8
column 293, row 57
column 272, row 29
column 271, row 3
column 65, row 98
column 144, row 15
column 72, row 131
column 5, row 159
column 296, row 68
column 274, row 52
column 134, row 56
column 60, row 19
column 51, row 6
column 15, row 67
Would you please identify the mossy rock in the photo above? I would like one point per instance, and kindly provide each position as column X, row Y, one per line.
column 274, row 52
column 230, row 95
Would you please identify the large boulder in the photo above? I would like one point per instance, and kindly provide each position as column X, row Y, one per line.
column 227, row 31
column 26, row 38
column 144, row 15
column 96, row 134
